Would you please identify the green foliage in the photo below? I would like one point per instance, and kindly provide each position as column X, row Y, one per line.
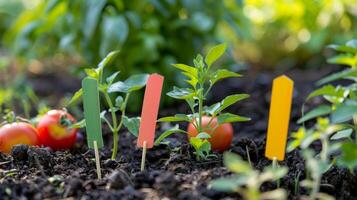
column 150, row 34
column 107, row 86
column 317, row 163
column 247, row 181
column 341, row 101
column 201, row 77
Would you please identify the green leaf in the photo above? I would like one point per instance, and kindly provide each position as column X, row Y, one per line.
column 167, row 133
column 339, row 75
column 112, row 77
column 93, row 10
column 352, row 44
column 235, row 163
column 215, row 53
column 107, row 60
column 343, row 48
column 119, row 102
column 186, row 68
column 343, row 112
column 230, row 100
column 190, row 72
column 196, row 143
column 133, row 83
column 349, row 155
column 328, row 90
column 229, row 118
column 114, row 32
column 342, row 134
column 76, row 97
column 80, row 124
column 212, row 109
column 203, row 135
column 176, row 118
column 132, row 124
column 92, row 73
column 343, row 59
column 226, row 184
column 316, row 112
column 222, row 74
column 181, row 93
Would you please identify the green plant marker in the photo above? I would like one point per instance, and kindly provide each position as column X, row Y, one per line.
column 92, row 112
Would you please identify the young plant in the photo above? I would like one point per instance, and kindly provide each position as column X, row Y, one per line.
column 108, row 86
column 247, row 181
column 342, row 102
column 317, row 163
column 208, row 123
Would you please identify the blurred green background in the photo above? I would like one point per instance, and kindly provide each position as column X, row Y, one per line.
column 64, row 36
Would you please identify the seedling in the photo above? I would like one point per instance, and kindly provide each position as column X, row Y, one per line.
column 317, row 163
column 201, row 79
column 149, row 114
column 247, row 181
column 342, row 103
column 107, row 86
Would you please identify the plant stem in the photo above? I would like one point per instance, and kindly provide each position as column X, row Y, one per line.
column 324, row 149
column 115, row 125
column 355, row 126
column 275, row 166
column 200, row 109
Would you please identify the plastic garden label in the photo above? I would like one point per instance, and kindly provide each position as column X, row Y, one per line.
column 150, row 111
column 279, row 117
column 92, row 112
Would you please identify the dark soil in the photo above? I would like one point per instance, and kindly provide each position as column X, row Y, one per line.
column 171, row 170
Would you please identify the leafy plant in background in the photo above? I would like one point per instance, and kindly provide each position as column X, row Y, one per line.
column 317, row 162
column 201, row 79
column 341, row 102
column 247, row 181
column 151, row 32
column 108, row 86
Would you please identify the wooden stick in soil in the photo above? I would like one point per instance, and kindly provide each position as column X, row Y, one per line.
column 97, row 159
column 143, row 157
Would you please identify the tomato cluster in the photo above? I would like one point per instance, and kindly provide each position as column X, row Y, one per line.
column 53, row 130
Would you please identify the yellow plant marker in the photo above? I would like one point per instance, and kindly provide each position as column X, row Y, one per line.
column 279, row 117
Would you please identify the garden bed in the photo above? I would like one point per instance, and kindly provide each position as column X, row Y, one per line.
column 171, row 171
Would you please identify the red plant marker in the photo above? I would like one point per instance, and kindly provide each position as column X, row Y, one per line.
column 149, row 113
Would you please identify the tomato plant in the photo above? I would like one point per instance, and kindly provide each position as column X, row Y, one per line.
column 221, row 135
column 17, row 133
column 201, row 79
column 55, row 130
column 109, row 86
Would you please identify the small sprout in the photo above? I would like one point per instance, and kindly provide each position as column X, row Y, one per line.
column 247, row 181
column 317, row 163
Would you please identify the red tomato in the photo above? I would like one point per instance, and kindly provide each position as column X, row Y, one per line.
column 221, row 137
column 54, row 130
column 17, row 133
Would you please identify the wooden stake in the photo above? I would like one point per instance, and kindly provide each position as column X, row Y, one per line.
column 97, row 159
column 143, row 156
